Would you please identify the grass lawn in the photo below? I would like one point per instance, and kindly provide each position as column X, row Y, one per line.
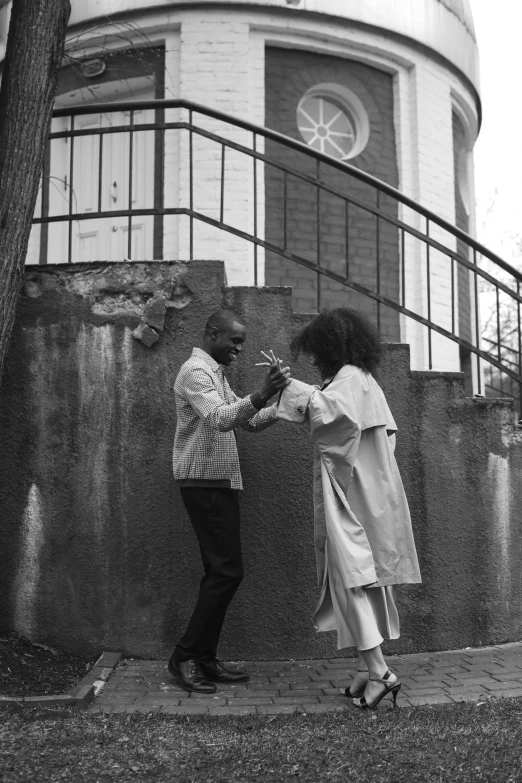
column 468, row 742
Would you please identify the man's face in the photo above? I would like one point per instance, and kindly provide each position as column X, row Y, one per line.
column 228, row 343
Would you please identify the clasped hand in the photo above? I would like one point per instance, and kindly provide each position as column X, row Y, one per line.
column 276, row 378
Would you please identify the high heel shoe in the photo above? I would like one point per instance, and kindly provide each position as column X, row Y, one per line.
column 347, row 691
column 391, row 685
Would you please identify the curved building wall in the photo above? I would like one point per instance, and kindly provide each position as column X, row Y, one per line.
column 216, row 54
column 347, row 244
column 97, row 550
column 446, row 26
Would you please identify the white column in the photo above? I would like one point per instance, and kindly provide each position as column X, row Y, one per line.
column 432, row 131
column 215, row 70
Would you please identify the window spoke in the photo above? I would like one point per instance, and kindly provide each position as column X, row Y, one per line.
column 332, row 131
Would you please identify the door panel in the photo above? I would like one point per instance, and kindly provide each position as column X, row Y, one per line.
column 100, row 238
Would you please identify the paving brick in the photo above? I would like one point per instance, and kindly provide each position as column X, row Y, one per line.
column 155, row 701
column 251, row 700
column 112, row 685
column 507, row 693
column 84, row 696
column 100, row 672
column 305, row 698
column 418, row 701
column 209, row 701
column 184, row 710
column 337, row 699
column 341, row 683
column 110, row 659
column 142, row 708
column 325, row 707
column 454, row 671
column 470, row 695
column 511, row 675
column 499, row 686
column 338, row 672
column 301, row 691
column 292, row 678
column 423, row 687
column 169, row 690
column 264, row 691
column 116, row 697
column 245, row 709
column 469, row 681
column 320, row 682
column 476, row 673
column 333, row 692
column 279, row 709
column 432, row 691
column 346, row 662
column 425, row 678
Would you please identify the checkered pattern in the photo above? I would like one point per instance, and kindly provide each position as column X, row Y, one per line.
column 207, row 411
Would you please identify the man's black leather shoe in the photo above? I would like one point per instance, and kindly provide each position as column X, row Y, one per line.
column 189, row 675
column 215, row 671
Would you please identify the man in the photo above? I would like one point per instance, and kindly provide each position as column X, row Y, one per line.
column 206, row 467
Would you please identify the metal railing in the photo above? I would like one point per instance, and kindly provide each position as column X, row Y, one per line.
column 347, row 232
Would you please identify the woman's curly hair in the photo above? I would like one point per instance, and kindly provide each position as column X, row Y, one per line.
column 338, row 337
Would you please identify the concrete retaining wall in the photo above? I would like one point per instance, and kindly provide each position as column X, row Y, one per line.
column 97, row 552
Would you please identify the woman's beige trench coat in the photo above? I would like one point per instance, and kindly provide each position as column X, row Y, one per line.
column 359, row 500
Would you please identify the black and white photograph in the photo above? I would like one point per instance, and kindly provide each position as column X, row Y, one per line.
column 260, row 391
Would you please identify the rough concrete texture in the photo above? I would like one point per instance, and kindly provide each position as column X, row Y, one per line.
column 97, row 551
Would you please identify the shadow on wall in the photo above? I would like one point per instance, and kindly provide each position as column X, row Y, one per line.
column 97, row 549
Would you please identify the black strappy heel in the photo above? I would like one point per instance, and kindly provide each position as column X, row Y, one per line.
column 347, row 692
column 392, row 687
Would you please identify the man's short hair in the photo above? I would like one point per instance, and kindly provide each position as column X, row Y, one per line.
column 222, row 320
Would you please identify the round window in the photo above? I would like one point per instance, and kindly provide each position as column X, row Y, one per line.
column 332, row 120
column 326, row 127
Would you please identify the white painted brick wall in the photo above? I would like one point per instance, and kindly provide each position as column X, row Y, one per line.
column 216, row 57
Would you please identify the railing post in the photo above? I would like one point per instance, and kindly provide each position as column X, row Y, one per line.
column 477, row 322
column 318, row 239
column 519, row 329
column 71, row 190
column 428, row 294
column 378, row 255
column 191, row 186
column 254, row 147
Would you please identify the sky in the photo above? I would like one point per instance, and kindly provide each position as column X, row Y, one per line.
column 498, row 151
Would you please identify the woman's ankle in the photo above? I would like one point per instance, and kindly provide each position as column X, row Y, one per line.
column 378, row 671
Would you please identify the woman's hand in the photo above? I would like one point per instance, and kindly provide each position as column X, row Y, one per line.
column 275, row 379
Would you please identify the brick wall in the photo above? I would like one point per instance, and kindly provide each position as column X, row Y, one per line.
column 345, row 246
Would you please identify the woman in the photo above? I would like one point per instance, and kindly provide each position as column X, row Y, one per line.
column 363, row 536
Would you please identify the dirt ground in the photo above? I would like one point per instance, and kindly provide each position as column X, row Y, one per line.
column 31, row 669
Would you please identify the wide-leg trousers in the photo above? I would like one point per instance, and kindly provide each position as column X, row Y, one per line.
column 214, row 514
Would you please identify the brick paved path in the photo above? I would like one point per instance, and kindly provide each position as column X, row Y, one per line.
column 314, row 686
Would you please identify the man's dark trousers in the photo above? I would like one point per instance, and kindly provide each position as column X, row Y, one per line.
column 214, row 513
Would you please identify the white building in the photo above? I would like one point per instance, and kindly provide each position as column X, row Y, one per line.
column 390, row 87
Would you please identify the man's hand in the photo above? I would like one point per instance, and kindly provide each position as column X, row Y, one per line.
column 275, row 379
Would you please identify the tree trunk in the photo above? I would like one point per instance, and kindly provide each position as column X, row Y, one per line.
column 34, row 54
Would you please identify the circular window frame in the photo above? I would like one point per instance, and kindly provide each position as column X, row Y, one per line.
column 349, row 103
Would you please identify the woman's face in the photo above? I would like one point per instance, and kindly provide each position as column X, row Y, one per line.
column 319, row 365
